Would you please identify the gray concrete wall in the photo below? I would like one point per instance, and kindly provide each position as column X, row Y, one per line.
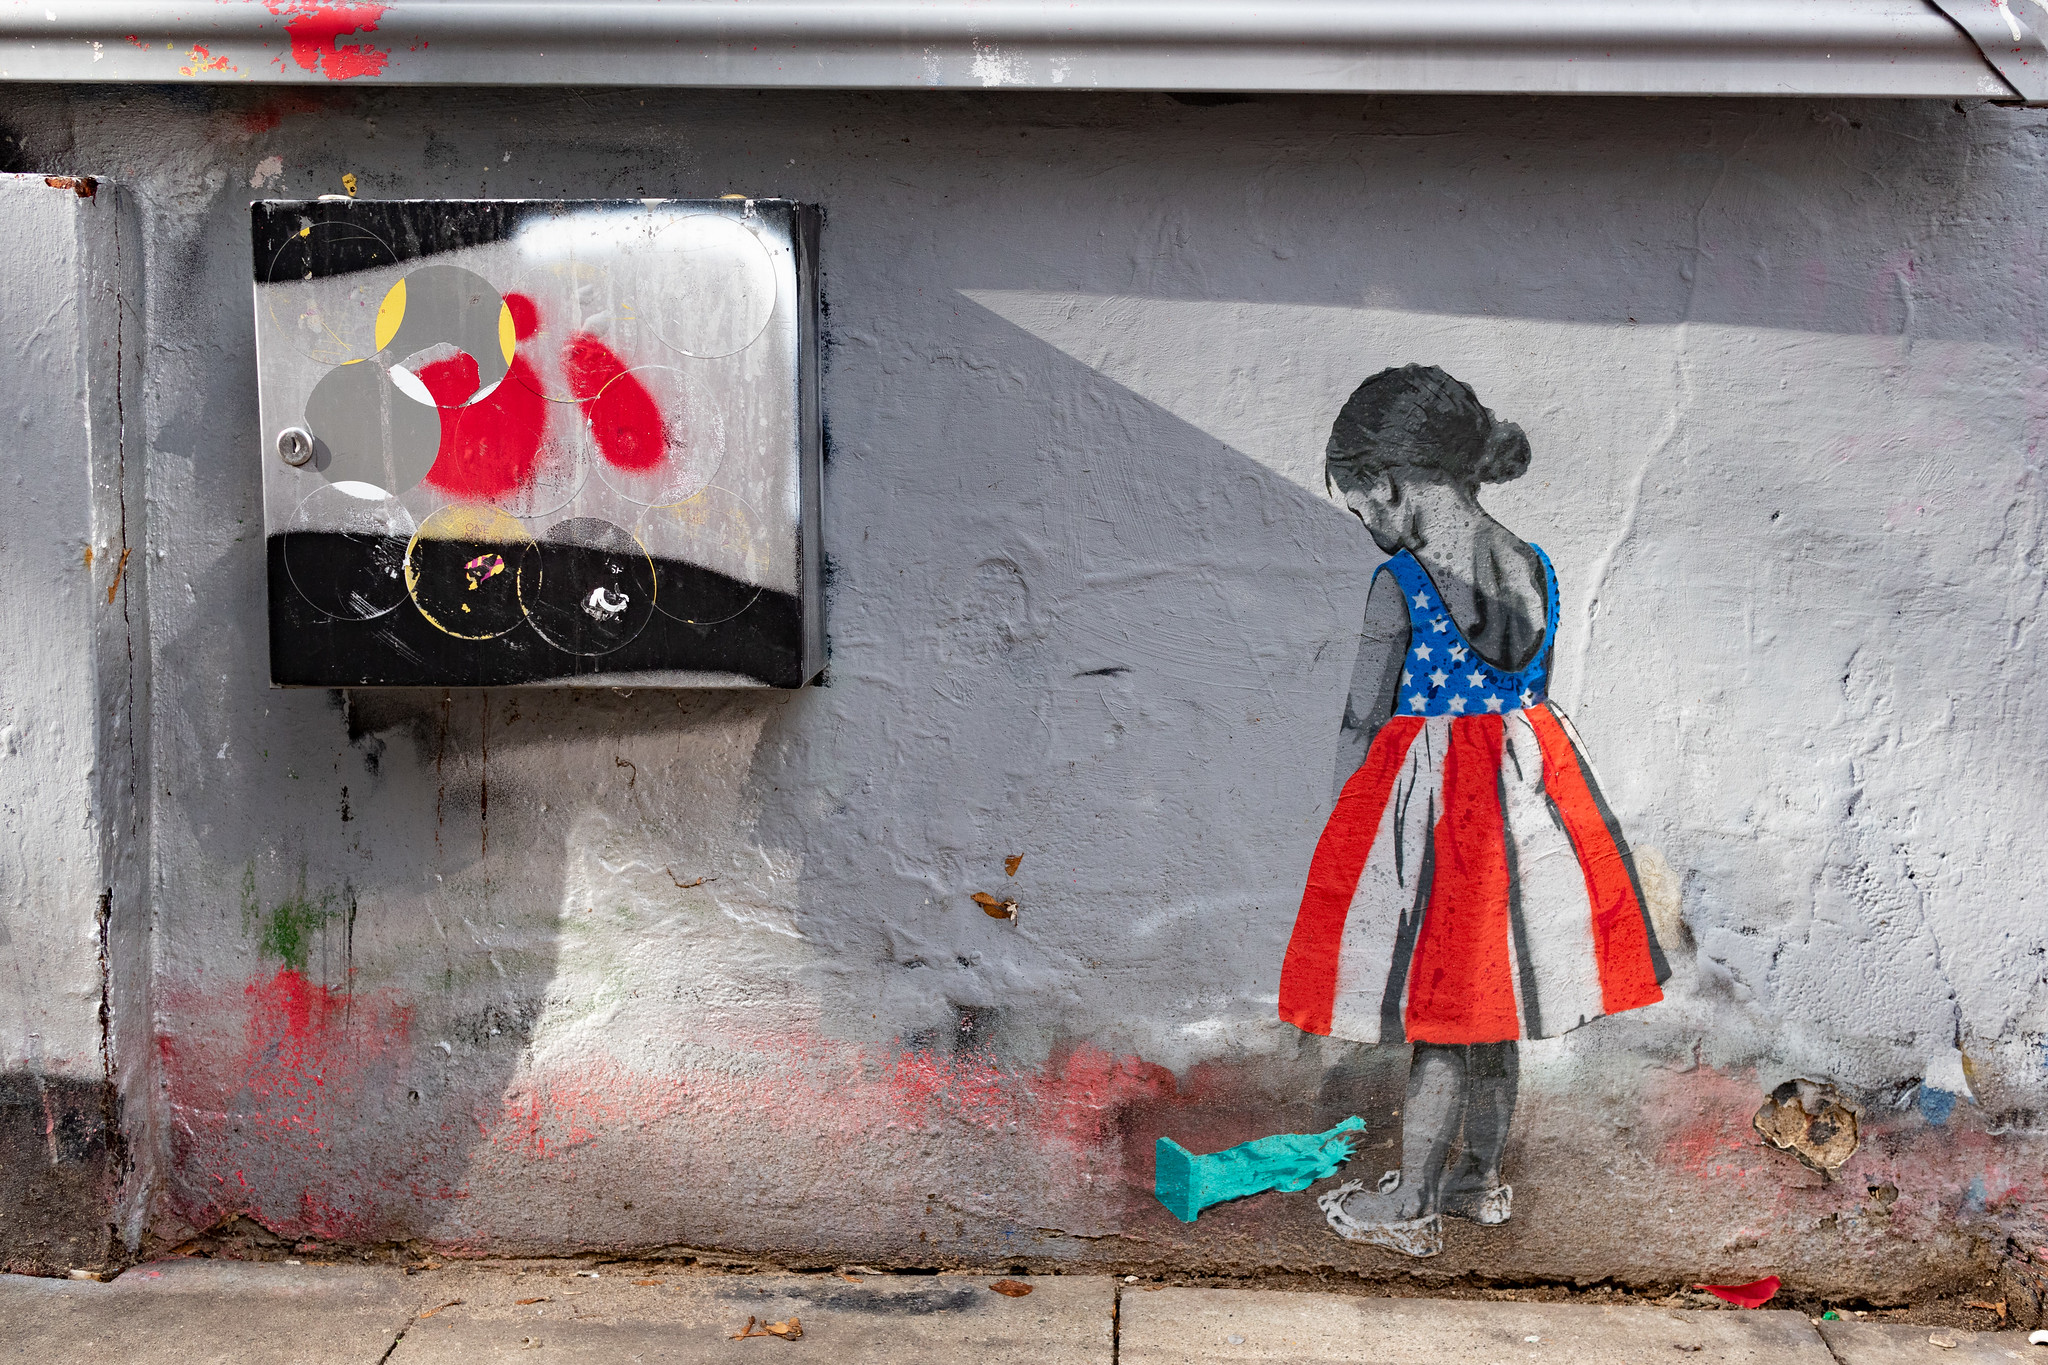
column 73, row 917
column 551, row 970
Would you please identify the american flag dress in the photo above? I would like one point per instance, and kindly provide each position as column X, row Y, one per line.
column 1471, row 885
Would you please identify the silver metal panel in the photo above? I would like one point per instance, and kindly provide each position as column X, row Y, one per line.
column 1706, row 47
column 509, row 441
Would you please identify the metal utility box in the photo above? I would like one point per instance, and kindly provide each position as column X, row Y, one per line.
column 540, row 442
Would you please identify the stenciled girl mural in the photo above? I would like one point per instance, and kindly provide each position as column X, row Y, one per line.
column 1471, row 888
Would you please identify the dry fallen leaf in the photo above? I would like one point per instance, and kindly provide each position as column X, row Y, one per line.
column 647, row 1282
column 1998, row 1308
column 852, row 1279
column 788, row 1331
column 1010, row 863
column 450, row 1304
column 1011, row 1289
column 543, row 1299
column 993, row 908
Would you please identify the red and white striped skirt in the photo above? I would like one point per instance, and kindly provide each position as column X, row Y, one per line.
column 1471, row 886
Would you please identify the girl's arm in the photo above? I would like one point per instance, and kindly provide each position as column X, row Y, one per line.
column 1376, row 680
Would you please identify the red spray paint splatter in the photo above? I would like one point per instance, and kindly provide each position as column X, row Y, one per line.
column 490, row 447
column 269, row 115
column 451, row 381
column 623, row 418
column 258, row 1124
column 316, row 26
column 525, row 316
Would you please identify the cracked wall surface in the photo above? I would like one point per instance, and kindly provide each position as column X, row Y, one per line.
column 551, row 970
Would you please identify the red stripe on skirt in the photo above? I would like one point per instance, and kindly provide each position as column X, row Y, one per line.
column 1308, row 975
column 1621, row 948
column 1461, row 980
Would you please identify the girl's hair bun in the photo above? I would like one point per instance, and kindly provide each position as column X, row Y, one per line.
column 1420, row 417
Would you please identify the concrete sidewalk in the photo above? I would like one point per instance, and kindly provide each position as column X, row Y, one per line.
column 197, row 1312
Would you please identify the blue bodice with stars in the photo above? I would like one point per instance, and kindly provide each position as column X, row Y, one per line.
column 1443, row 675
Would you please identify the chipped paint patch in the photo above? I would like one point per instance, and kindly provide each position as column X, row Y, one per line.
column 316, row 27
column 199, row 61
column 992, row 66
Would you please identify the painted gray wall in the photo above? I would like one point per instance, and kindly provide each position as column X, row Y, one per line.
column 73, row 915
column 439, row 965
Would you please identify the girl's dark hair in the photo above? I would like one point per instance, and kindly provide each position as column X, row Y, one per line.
column 1419, row 417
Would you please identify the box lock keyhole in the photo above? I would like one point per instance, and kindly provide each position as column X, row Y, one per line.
column 295, row 446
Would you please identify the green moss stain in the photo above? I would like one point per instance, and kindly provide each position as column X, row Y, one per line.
column 285, row 931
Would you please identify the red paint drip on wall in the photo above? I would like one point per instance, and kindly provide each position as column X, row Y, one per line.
column 316, row 27
column 490, row 447
column 622, row 414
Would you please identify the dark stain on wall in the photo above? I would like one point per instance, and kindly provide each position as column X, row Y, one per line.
column 58, row 1166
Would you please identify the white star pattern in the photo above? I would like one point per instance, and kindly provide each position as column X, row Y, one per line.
column 1462, row 684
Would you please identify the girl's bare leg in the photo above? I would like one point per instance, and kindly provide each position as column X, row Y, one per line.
column 1438, row 1081
column 1474, row 1188
column 1493, row 1072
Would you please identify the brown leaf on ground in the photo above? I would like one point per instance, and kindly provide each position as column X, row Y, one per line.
column 1998, row 1308
column 994, row 908
column 452, row 1303
column 542, row 1299
column 1010, row 863
column 1010, row 1289
column 852, row 1279
column 788, row 1331
column 647, row 1282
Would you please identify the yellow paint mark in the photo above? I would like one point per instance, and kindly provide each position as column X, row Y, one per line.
column 390, row 313
column 732, row 196
column 306, row 231
column 460, row 522
column 507, row 337
column 348, row 182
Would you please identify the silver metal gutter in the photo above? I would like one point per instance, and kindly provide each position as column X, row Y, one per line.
column 1898, row 48
column 2009, row 36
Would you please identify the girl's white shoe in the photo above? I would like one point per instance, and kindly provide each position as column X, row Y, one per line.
column 1419, row 1237
column 1488, row 1207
